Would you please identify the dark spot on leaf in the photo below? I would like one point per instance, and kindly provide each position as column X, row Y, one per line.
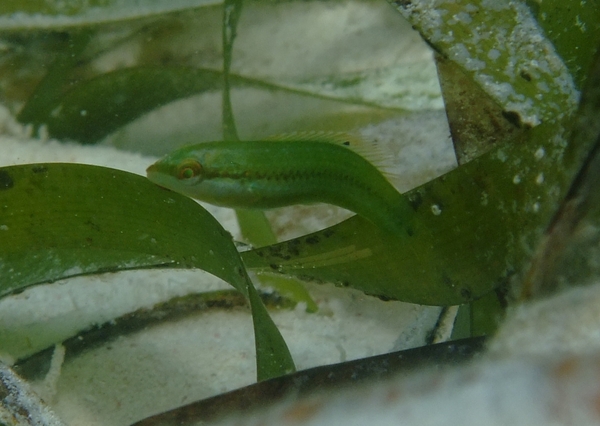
column 525, row 75
column 415, row 200
column 466, row 293
column 345, row 284
column 39, row 169
column 239, row 271
column 447, row 280
column 274, row 251
column 346, row 143
column 384, row 298
column 410, row 232
column 293, row 249
column 93, row 225
column 513, row 117
column 274, row 266
column 313, row 239
column 502, row 294
column 279, row 252
column 309, row 279
column 328, row 233
column 6, row 182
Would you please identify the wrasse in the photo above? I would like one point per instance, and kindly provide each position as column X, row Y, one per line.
column 275, row 173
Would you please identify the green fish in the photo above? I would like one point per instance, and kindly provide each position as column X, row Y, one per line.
column 298, row 169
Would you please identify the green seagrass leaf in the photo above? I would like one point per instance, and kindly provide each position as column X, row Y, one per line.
column 60, row 220
column 97, row 107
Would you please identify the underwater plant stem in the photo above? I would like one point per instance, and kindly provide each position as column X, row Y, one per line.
column 232, row 9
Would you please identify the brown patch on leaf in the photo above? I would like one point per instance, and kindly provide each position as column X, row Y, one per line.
column 477, row 123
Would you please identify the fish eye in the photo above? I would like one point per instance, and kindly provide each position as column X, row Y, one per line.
column 188, row 169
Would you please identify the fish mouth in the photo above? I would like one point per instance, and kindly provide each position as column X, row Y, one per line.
column 155, row 176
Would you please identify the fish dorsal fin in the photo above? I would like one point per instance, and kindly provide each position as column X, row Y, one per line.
column 368, row 150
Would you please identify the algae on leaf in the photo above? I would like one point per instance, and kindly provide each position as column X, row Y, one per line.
column 502, row 48
column 567, row 252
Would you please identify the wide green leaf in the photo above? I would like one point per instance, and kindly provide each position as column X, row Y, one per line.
column 475, row 227
column 97, row 107
column 61, row 220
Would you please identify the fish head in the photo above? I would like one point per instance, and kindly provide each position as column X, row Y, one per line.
column 177, row 171
column 202, row 172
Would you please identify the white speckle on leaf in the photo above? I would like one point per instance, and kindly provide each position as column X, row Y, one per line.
column 56, row 111
column 542, row 86
column 536, row 207
column 580, row 24
column 507, row 33
column 462, row 17
column 502, row 91
column 493, row 54
column 435, row 209
column 539, row 179
column 3, row 228
column 539, row 154
column 461, row 54
column 517, row 179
